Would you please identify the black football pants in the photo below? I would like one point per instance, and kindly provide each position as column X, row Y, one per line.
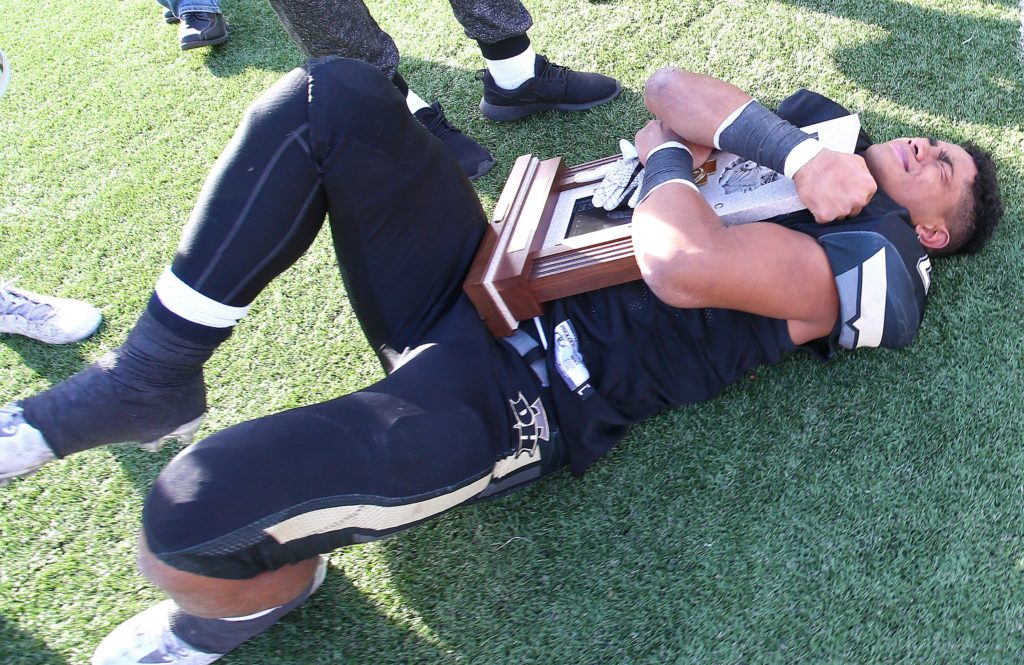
column 459, row 415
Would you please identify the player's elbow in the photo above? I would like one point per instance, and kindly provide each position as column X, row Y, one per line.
column 671, row 275
column 663, row 88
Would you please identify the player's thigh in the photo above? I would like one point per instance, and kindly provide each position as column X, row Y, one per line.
column 404, row 219
column 283, row 488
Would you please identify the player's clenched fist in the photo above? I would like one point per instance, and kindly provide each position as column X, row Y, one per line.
column 834, row 185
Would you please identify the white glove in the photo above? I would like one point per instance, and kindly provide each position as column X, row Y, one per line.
column 623, row 177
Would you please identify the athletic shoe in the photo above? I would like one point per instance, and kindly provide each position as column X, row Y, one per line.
column 148, row 390
column 201, row 29
column 46, row 318
column 553, row 88
column 22, row 447
column 169, row 17
column 472, row 157
column 147, row 637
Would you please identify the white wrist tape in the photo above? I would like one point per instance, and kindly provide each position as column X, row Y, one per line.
column 800, row 155
column 757, row 134
column 667, row 144
column 731, row 118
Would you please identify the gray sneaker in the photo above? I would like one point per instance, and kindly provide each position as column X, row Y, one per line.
column 22, row 447
column 45, row 318
column 147, row 637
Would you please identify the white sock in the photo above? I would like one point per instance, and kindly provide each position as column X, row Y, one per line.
column 511, row 73
column 415, row 102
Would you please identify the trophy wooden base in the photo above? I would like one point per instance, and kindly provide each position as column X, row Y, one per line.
column 533, row 253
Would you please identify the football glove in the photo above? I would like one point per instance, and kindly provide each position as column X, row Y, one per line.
column 623, row 178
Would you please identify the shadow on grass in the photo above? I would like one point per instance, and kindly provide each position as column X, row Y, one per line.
column 18, row 648
column 256, row 41
column 338, row 625
column 55, row 363
column 933, row 61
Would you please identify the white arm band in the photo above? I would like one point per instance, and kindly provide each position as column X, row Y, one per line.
column 800, row 155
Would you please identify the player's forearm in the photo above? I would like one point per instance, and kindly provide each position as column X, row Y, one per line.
column 674, row 236
column 712, row 112
column 692, row 105
column 690, row 259
column 672, row 225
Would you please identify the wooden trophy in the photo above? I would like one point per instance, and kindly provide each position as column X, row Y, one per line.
column 548, row 241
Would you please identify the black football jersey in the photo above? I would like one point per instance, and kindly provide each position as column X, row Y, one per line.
column 619, row 355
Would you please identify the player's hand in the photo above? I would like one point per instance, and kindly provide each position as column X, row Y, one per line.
column 656, row 132
column 653, row 134
column 622, row 178
column 834, row 185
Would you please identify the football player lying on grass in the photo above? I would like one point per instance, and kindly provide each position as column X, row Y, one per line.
column 235, row 527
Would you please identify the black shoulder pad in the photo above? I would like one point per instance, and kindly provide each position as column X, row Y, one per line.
column 805, row 107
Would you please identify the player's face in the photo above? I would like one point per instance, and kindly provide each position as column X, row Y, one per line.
column 926, row 176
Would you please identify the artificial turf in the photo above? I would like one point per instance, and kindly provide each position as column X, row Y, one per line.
column 868, row 510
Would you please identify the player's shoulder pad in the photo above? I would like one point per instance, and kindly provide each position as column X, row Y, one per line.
column 806, row 107
column 882, row 274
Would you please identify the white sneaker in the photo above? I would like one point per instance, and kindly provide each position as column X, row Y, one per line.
column 46, row 318
column 23, row 449
column 147, row 636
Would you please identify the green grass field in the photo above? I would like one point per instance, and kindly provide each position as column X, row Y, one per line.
column 869, row 510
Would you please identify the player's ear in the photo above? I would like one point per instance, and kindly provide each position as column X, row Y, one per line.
column 933, row 237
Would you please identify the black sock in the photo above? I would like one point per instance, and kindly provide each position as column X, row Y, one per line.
column 506, row 48
column 223, row 635
column 144, row 389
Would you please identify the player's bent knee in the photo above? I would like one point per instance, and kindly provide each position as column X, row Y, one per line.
column 356, row 82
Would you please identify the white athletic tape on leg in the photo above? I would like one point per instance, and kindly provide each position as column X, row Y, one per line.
column 728, row 121
column 193, row 306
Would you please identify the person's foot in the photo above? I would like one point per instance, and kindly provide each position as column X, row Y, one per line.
column 553, row 88
column 169, row 17
column 23, row 450
column 147, row 391
column 201, row 29
column 105, row 404
column 45, row 318
column 474, row 159
column 148, row 638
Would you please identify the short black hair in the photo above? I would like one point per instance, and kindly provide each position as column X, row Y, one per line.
column 982, row 207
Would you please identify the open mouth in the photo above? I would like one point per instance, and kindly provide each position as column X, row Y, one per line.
column 901, row 155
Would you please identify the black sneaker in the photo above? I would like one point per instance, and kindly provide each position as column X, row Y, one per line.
column 554, row 88
column 201, row 29
column 169, row 17
column 473, row 157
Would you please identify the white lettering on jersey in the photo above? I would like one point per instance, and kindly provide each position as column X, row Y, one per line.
column 873, row 288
